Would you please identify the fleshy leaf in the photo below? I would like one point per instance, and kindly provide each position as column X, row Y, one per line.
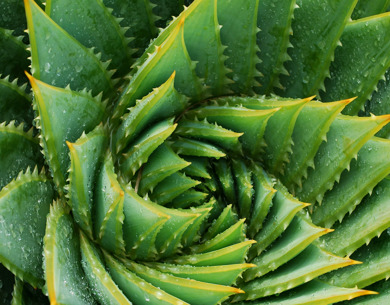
column 135, row 288
column 108, row 209
column 145, row 145
column 307, row 136
column 233, row 235
column 171, row 187
column 168, row 57
column 102, row 285
column 239, row 119
column 298, row 235
column 24, row 205
column 274, row 20
column 63, row 272
column 194, row 292
column 367, row 40
column 235, row 254
column 56, row 108
column 309, row 264
column 310, row 61
column 15, row 103
column 222, row 275
column 262, row 200
column 345, row 138
column 313, row 293
column 138, row 18
column 202, row 130
column 161, row 164
column 375, row 265
column 162, row 103
column 366, row 8
column 243, row 181
column 371, row 166
column 99, row 29
column 282, row 211
column 239, row 35
column 359, row 227
column 13, row 55
column 85, row 157
column 59, row 59
column 18, row 151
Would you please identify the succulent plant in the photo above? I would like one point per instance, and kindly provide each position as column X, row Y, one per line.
column 234, row 153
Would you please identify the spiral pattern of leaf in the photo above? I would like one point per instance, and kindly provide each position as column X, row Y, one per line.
column 193, row 164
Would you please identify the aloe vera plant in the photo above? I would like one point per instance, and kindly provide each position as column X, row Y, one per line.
column 234, row 153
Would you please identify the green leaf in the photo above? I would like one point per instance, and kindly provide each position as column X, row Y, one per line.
column 85, row 156
column 366, row 8
column 203, row 130
column 99, row 29
column 162, row 103
column 274, row 21
column 63, row 272
column 224, row 173
column 138, row 20
column 166, row 58
column 13, row 55
column 194, row 292
column 379, row 104
column 239, row 35
column 18, row 151
column 222, row 275
column 367, row 40
column 239, row 119
column 299, row 234
column 108, row 209
column 310, row 61
column 309, row 264
column 169, row 238
column 225, row 220
column 262, row 200
column 135, row 288
column 310, row 131
column 235, row 254
column 141, row 239
column 382, row 297
column 197, row 168
column 187, row 199
column 24, row 204
column 144, row 146
column 195, row 230
column 162, row 163
column 196, row 148
column 345, row 138
column 56, row 108
column 243, row 181
column 375, row 265
column 284, row 207
column 313, row 293
column 372, row 165
column 233, row 235
column 171, row 187
column 370, row 219
column 210, row 61
column 279, row 128
column 102, row 285
column 59, row 59
column 15, row 103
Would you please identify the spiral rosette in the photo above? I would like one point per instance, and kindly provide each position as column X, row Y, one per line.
column 177, row 184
